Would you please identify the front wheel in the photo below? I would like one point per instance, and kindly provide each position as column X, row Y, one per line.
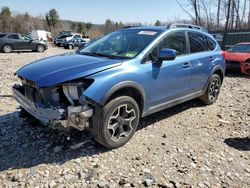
column 213, row 90
column 119, row 121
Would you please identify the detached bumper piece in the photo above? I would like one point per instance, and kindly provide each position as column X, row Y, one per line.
column 45, row 115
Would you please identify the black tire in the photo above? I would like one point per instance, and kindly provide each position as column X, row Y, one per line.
column 7, row 48
column 213, row 90
column 40, row 48
column 71, row 47
column 119, row 121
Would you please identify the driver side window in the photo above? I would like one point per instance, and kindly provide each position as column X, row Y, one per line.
column 174, row 40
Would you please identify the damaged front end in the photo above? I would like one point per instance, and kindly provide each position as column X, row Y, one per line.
column 60, row 105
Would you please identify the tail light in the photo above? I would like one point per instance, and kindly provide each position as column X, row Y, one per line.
column 223, row 53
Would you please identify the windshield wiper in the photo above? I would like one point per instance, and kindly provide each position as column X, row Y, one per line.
column 102, row 55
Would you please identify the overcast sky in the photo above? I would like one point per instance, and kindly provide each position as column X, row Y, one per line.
column 97, row 11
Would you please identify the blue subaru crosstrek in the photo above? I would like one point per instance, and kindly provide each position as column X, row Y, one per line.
column 107, row 86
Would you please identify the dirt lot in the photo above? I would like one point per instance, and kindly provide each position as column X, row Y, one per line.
column 190, row 145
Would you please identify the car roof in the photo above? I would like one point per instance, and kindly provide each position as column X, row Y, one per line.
column 152, row 28
column 166, row 28
column 10, row 33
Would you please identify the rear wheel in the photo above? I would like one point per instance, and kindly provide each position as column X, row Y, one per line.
column 7, row 48
column 71, row 46
column 213, row 90
column 40, row 48
column 119, row 121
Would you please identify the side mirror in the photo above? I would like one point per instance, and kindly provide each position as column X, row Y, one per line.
column 167, row 54
column 30, row 40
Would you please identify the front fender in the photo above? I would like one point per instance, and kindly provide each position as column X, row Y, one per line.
column 107, row 82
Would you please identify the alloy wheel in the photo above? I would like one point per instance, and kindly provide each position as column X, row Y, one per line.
column 214, row 90
column 120, row 124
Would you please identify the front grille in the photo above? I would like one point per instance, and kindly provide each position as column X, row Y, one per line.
column 233, row 64
column 50, row 96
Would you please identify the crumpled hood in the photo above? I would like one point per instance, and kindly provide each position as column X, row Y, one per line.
column 61, row 68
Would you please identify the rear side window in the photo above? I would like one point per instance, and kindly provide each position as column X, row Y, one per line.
column 13, row 36
column 2, row 35
column 197, row 42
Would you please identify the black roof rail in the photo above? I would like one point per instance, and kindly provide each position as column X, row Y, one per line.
column 130, row 26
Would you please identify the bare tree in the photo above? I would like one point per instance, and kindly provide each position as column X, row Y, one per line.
column 228, row 8
column 218, row 14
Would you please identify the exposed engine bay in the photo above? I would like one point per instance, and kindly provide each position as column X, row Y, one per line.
column 62, row 105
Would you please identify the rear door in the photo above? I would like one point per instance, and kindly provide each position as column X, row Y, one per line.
column 201, row 59
column 15, row 41
column 27, row 43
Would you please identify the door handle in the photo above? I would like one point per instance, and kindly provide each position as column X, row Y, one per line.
column 186, row 65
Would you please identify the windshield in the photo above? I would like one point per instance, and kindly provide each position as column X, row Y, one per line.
column 25, row 37
column 240, row 48
column 121, row 44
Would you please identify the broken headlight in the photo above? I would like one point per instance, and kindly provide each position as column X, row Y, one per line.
column 74, row 90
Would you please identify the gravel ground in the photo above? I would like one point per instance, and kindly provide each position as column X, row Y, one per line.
column 190, row 145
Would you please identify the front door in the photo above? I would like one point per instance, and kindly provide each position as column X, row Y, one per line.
column 168, row 80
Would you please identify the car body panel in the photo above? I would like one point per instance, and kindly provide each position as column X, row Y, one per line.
column 21, row 44
column 65, row 67
column 201, row 65
column 240, row 61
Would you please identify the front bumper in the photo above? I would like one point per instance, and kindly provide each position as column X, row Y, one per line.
column 45, row 115
column 233, row 65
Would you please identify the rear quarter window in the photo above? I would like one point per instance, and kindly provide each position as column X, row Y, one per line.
column 211, row 45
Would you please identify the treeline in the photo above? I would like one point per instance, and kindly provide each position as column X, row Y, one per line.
column 25, row 23
column 211, row 14
column 218, row 14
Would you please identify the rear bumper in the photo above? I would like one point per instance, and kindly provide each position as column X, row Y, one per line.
column 45, row 115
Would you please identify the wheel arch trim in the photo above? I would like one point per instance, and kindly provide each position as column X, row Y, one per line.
column 122, row 85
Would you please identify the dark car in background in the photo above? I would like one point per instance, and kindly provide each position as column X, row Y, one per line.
column 71, row 44
column 14, row 41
